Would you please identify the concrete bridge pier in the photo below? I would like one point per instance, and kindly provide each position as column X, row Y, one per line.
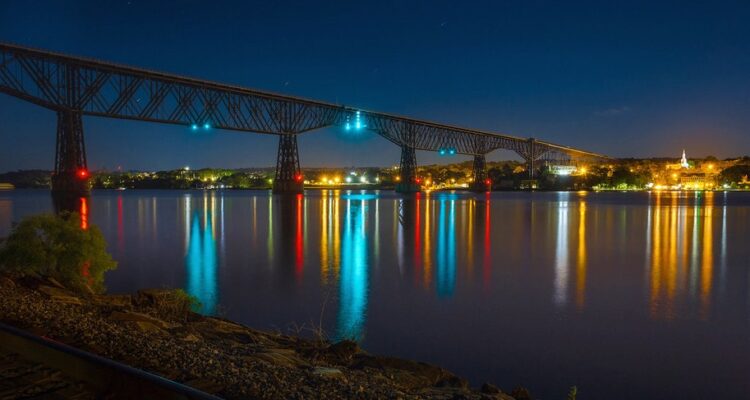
column 288, row 178
column 408, row 181
column 71, row 176
column 480, row 181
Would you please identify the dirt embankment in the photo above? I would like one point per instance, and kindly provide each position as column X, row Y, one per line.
column 219, row 356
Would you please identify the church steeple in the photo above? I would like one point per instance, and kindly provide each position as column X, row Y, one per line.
column 683, row 160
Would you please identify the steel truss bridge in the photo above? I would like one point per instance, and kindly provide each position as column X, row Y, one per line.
column 75, row 86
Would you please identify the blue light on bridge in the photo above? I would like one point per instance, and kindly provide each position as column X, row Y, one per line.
column 447, row 150
column 194, row 127
column 356, row 122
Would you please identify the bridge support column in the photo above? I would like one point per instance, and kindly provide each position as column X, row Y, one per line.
column 480, row 182
column 288, row 174
column 408, row 182
column 71, row 176
column 530, row 161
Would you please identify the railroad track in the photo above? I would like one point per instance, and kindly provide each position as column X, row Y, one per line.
column 34, row 367
column 21, row 378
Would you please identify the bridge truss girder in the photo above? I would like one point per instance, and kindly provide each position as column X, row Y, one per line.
column 90, row 87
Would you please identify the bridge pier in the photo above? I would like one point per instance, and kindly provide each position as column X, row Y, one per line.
column 288, row 177
column 71, row 176
column 480, row 181
column 409, row 182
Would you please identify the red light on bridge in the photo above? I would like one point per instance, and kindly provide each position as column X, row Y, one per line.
column 488, row 182
column 83, row 174
column 298, row 177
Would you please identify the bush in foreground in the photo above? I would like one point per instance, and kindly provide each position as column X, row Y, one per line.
column 55, row 246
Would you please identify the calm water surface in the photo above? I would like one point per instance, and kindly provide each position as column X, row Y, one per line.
column 624, row 295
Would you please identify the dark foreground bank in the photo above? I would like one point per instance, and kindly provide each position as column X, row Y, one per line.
column 217, row 356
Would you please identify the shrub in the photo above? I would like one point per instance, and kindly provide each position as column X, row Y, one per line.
column 179, row 303
column 56, row 246
column 171, row 304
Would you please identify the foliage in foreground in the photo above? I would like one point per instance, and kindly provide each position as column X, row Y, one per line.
column 168, row 304
column 180, row 303
column 57, row 247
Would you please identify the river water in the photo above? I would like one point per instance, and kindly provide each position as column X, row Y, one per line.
column 626, row 295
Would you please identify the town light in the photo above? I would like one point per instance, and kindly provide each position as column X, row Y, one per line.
column 363, row 179
column 348, row 179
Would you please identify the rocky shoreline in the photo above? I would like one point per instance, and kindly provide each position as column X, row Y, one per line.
column 220, row 356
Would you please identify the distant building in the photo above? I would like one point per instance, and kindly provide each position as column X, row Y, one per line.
column 683, row 164
column 684, row 161
column 697, row 181
column 562, row 169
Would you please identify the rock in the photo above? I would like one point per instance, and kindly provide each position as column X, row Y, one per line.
column 281, row 357
column 489, row 388
column 224, row 326
column 122, row 300
column 343, row 351
column 7, row 282
column 59, row 295
column 191, row 338
column 148, row 327
column 327, row 372
column 55, row 282
column 51, row 291
column 411, row 374
column 140, row 317
column 68, row 300
column 160, row 298
column 521, row 393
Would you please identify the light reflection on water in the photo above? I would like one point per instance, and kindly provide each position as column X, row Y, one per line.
column 201, row 258
column 566, row 285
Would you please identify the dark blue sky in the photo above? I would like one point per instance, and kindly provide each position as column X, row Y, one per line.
column 622, row 79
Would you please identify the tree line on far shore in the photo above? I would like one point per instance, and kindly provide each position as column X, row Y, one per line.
column 624, row 173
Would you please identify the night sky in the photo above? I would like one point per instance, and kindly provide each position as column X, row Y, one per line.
column 621, row 79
